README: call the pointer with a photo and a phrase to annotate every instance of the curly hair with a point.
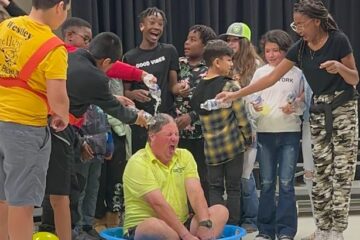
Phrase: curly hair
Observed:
(314, 9)
(206, 33)
(74, 22)
(151, 11)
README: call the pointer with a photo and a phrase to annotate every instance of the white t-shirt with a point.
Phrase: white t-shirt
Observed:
(275, 97)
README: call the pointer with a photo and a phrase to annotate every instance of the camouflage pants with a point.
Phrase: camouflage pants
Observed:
(335, 163)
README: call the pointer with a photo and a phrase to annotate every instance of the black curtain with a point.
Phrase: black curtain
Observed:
(120, 17)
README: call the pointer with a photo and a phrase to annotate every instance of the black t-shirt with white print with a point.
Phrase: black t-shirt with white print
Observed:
(158, 61)
(321, 82)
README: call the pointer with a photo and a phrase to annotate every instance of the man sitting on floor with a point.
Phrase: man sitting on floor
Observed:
(158, 182)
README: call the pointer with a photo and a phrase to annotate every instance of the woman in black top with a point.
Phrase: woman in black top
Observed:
(325, 56)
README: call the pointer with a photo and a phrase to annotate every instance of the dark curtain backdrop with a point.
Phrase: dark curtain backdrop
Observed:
(120, 17)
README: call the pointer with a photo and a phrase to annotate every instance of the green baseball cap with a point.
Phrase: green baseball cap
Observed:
(237, 29)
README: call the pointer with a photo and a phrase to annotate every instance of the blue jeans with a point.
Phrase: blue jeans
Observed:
(249, 201)
(277, 155)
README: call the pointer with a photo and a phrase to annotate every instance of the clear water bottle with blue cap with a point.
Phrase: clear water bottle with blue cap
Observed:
(214, 104)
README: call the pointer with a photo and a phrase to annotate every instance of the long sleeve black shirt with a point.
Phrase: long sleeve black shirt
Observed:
(86, 84)
(14, 10)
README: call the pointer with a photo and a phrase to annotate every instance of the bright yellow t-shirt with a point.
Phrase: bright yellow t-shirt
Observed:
(19, 39)
(144, 173)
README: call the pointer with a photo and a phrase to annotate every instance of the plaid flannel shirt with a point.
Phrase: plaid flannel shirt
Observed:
(227, 131)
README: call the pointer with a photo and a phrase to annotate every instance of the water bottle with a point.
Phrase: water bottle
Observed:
(299, 106)
(147, 80)
(291, 97)
(214, 104)
(257, 100)
(148, 117)
(154, 88)
(155, 92)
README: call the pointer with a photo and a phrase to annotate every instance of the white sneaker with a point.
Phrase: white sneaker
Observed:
(335, 235)
(322, 235)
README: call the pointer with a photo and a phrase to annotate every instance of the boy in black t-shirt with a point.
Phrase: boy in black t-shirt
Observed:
(159, 59)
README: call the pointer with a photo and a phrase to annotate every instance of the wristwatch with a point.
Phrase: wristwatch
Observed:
(206, 223)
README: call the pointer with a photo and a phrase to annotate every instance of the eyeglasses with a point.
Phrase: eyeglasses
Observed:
(86, 39)
(300, 26)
